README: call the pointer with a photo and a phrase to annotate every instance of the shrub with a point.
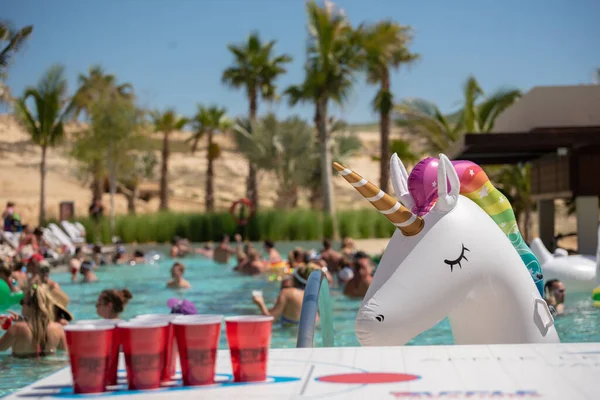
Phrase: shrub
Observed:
(299, 224)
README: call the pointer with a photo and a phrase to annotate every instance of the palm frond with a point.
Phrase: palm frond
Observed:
(15, 40)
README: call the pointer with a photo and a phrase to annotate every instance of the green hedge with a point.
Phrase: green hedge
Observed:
(272, 224)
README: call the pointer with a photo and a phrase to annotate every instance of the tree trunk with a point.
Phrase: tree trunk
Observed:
(316, 191)
(252, 182)
(326, 178)
(164, 170)
(287, 196)
(42, 220)
(384, 129)
(316, 198)
(98, 183)
(210, 201)
(112, 188)
(131, 200)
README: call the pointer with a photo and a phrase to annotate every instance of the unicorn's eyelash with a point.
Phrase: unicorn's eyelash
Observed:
(452, 263)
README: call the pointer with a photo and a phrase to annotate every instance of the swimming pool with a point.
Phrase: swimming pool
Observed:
(218, 290)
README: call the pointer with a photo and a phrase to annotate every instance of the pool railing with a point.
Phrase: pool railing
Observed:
(317, 298)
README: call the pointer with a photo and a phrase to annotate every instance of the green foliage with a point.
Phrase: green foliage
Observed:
(477, 115)
(167, 121)
(98, 84)
(384, 45)
(255, 67)
(282, 147)
(45, 123)
(299, 224)
(11, 40)
(208, 121)
(404, 150)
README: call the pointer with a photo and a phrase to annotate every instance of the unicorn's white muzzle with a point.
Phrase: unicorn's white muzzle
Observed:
(374, 328)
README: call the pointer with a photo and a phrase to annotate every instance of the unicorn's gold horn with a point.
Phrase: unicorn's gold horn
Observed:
(402, 217)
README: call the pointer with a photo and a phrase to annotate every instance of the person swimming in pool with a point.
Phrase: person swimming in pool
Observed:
(87, 270)
(554, 294)
(178, 282)
(36, 334)
(273, 256)
(288, 305)
(111, 303)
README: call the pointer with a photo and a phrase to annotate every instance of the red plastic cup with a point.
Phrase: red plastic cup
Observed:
(113, 362)
(144, 347)
(197, 340)
(249, 340)
(89, 353)
(171, 352)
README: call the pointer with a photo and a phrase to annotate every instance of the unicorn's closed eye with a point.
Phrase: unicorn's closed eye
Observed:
(457, 253)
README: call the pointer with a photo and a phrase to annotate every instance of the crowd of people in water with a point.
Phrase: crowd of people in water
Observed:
(37, 330)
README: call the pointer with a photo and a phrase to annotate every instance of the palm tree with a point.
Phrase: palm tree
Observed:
(281, 147)
(208, 121)
(384, 46)
(96, 84)
(11, 41)
(515, 183)
(343, 144)
(477, 115)
(404, 150)
(45, 123)
(166, 122)
(255, 69)
(92, 88)
(332, 59)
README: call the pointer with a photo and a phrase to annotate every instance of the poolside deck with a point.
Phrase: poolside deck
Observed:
(565, 371)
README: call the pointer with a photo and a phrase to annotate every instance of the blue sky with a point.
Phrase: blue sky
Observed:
(174, 52)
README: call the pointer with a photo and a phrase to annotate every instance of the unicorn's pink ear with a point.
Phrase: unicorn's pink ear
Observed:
(400, 182)
(447, 200)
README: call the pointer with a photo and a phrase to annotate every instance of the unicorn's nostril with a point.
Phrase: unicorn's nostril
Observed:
(380, 318)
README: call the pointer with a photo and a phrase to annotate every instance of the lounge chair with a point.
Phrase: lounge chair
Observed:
(74, 233)
(81, 228)
(12, 238)
(51, 238)
(57, 251)
(60, 235)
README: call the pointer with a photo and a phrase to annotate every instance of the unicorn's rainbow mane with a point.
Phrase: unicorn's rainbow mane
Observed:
(475, 185)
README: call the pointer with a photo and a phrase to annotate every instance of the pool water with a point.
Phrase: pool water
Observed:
(216, 289)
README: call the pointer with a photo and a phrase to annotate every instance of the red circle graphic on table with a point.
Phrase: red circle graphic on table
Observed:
(368, 377)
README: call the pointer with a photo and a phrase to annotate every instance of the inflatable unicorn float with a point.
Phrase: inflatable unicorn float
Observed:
(457, 253)
(578, 272)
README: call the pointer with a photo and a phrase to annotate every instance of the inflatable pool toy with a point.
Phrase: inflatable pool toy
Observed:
(457, 253)
(596, 296)
(577, 272)
(7, 297)
(280, 264)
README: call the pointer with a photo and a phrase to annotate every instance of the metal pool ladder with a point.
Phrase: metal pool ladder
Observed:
(316, 297)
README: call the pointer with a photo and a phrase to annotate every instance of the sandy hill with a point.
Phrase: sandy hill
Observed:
(20, 181)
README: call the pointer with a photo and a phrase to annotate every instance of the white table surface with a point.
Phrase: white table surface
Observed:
(547, 371)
